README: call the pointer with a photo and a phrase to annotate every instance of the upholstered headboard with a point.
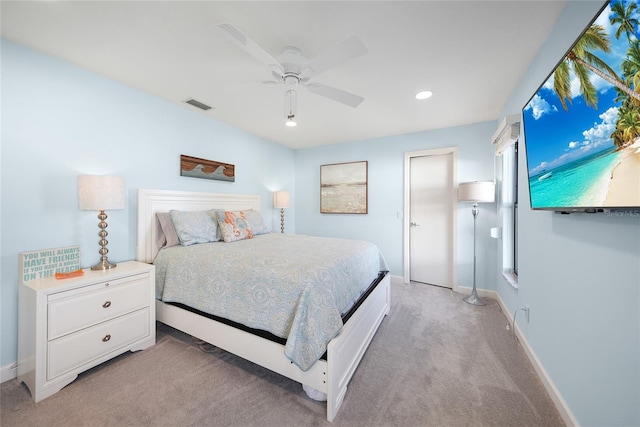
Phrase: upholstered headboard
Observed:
(151, 202)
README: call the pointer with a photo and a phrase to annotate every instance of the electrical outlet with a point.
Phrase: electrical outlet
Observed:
(526, 311)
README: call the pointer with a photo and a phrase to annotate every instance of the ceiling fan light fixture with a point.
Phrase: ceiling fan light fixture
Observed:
(291, 99)
(290, 122)
(425, 94)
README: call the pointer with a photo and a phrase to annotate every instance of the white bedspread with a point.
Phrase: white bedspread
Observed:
(296, 287)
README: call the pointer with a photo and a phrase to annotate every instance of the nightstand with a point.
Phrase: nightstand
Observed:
(67, 326)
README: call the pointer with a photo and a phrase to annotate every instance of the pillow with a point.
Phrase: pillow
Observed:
(255, 221)
(166, 235)
(212, 214)
(194, 227)
(234, 226)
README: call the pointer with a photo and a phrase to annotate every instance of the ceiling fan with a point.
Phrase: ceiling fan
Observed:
(293, 69)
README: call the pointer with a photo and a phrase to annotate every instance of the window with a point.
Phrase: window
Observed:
(509, 208)
(506, 141)
(514, 245)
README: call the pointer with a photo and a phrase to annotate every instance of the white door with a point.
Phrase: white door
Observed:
(431, 218)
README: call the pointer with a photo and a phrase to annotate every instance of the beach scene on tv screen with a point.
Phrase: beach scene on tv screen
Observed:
(582, 127)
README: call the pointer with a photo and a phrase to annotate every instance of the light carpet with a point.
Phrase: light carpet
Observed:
(435, 361)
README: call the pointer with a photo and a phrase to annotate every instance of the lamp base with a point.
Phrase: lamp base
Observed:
(474, 299)
(103, 265)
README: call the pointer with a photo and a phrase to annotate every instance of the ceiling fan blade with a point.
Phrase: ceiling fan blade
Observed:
(336, 94)
(347, 49)
(241, 39)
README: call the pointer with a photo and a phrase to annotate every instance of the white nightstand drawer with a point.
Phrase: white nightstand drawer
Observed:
(99, 303)
(72, 351)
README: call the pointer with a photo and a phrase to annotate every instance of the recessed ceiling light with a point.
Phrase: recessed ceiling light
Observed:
(424, 94)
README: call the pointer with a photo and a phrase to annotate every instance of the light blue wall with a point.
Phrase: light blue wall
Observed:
(382, 225)
(580, 276)
(59, 121)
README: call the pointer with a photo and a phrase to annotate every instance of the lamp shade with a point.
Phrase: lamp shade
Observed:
(477, 192)
(100, 193)
(281, 199)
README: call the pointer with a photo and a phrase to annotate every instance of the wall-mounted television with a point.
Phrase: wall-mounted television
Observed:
(582, 125)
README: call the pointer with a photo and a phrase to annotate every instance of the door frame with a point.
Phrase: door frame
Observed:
(407, 209)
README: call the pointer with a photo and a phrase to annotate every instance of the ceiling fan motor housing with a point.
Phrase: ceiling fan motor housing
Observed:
(291, 80)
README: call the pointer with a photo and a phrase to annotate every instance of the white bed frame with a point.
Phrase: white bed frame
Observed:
(344, 352)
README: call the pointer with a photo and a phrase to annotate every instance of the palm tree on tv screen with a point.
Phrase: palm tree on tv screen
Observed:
(624, 17)
(583, 62)
(631, 70)
(627, 126)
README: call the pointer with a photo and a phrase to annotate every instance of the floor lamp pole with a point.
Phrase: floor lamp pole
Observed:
(282, 220)
(474, 298)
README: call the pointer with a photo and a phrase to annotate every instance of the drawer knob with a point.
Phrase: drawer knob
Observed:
(106, 338)
(106, 304)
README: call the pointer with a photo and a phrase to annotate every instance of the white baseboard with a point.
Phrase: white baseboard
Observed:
(8, 372)
(465, 290)
(559, 402)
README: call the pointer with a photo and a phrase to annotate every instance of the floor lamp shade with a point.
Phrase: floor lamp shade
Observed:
(477, 191)
(101, 193)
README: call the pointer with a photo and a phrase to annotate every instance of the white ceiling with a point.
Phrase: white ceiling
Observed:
(471, 54)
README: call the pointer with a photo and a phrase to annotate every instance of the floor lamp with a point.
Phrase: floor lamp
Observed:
(475, 192)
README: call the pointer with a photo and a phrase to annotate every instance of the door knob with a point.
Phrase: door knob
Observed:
(413, 224)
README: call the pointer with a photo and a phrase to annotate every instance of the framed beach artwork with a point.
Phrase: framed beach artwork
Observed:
(207, 169)
(343, 188)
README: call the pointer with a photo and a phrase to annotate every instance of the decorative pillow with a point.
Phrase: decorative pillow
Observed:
(256, 222)
(166, 233)
(194, 227)
(234, 226)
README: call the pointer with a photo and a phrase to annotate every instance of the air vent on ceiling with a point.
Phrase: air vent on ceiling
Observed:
(197, 104)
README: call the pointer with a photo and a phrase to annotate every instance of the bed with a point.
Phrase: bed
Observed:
(329, 374)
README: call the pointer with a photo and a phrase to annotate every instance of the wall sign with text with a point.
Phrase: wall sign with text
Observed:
(47, 262)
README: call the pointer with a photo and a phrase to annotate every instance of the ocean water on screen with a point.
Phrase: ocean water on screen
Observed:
(582, 183)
